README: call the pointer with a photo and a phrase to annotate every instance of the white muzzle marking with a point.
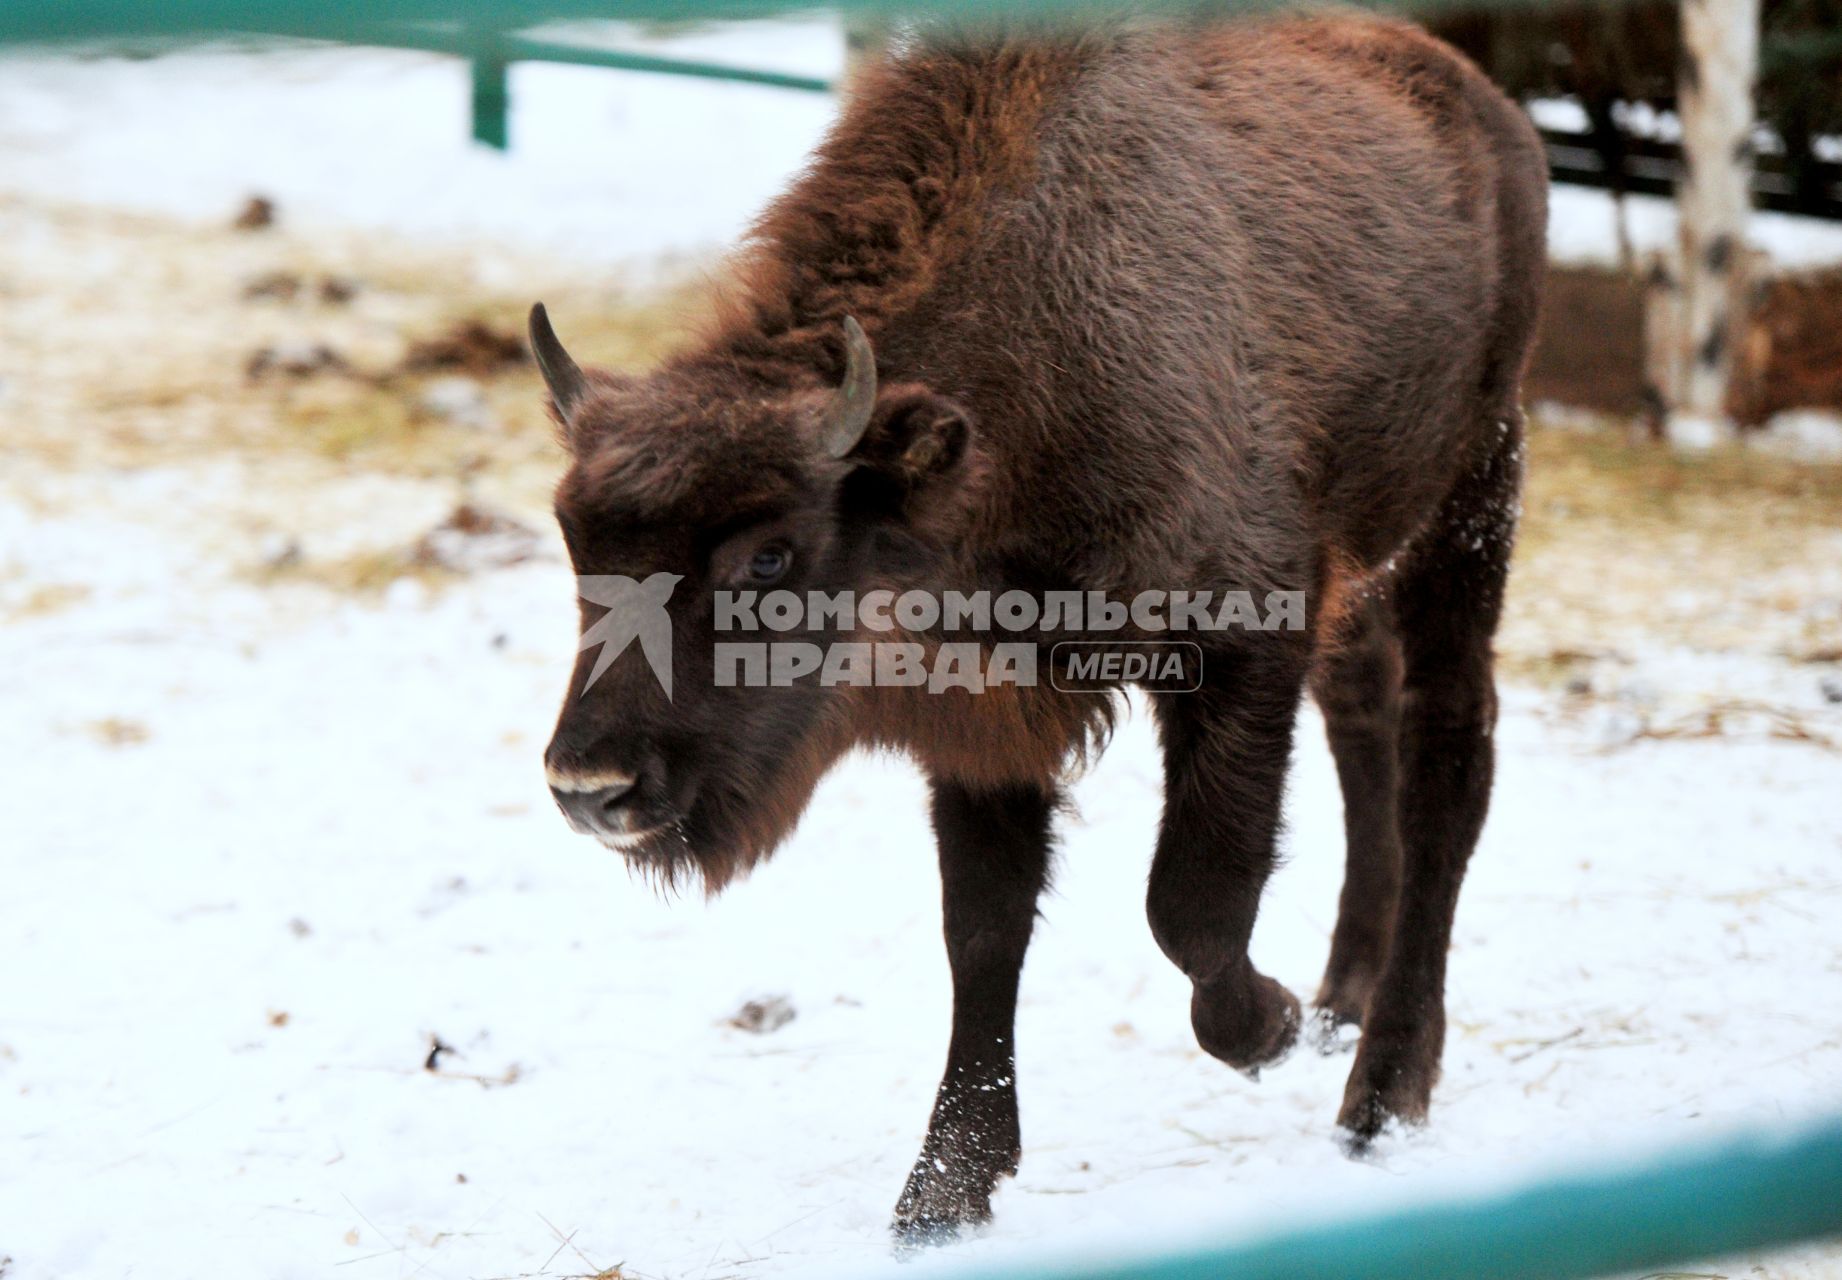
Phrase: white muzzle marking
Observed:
(594, 782)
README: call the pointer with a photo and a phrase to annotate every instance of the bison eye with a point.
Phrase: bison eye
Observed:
(770, 564)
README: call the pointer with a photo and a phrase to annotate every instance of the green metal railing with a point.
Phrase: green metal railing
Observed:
(491, 55)
(351, 20)
(1697, 1204)
(486, 32)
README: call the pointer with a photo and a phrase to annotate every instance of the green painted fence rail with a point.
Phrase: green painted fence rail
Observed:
(491, 54)
(1691, 1206)
(486, 32)
(349, 20)
(491, 57)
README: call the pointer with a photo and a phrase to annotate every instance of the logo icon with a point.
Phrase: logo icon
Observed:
(635, 610)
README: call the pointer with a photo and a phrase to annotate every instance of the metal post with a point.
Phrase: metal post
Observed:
(491, 93)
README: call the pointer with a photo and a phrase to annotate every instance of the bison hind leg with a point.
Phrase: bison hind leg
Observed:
(1447, 599)
(1357, 685)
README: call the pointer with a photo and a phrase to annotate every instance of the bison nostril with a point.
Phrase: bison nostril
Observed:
(608, 799)
(603, 805)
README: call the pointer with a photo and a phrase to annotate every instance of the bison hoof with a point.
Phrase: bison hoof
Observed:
(912, 1235)
(1392, 1080)
(925, 1217)
(942, 1200)
(1248, 1025)
(1332, 1032)
(1342, 1003)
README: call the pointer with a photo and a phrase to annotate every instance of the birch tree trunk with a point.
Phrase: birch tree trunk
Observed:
(1720, 45)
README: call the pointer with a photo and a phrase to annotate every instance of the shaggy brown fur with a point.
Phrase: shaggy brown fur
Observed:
(1207, 308)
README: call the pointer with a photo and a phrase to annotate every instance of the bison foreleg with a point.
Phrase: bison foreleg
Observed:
(994, 861)
(1226, 749)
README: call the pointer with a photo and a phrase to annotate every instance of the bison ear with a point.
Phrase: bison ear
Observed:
(914, 437)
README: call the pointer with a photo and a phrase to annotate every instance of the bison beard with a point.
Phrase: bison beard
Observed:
(1204, 308)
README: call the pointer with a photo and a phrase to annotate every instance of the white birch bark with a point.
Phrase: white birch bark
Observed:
(1720, 43)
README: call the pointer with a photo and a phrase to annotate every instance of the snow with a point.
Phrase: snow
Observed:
(1809, 434)
(338, 816)
(608, 167)
(334, 811)
(1582, 231)
(264, 844)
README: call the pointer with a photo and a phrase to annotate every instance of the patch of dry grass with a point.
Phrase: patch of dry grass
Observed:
(45, 599)
(1623, 543)
(118, 731)
(361, 573)
(128, 341)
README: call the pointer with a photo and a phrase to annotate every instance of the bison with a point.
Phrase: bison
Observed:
(1218, 307)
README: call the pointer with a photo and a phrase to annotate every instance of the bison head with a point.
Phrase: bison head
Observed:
(697, 480)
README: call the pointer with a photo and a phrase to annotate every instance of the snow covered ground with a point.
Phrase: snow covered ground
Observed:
(266, 842)
(604, 167)
(264, 845)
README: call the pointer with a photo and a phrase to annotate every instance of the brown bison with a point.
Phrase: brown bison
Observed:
(1205, 307)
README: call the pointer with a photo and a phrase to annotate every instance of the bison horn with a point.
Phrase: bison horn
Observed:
(850, 409)
(561, 374)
